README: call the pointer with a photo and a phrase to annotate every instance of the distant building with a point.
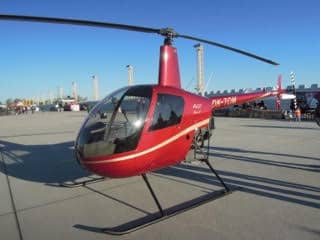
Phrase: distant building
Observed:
(307, 97)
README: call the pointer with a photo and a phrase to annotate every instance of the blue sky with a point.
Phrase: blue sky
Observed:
(38, 58)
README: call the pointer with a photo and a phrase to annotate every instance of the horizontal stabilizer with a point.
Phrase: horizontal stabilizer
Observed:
(285, 96)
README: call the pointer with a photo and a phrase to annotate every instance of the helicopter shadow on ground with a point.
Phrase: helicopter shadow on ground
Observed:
(195, 175)
(262, 186)
(202, 178)
(50, 164)
(236, 154)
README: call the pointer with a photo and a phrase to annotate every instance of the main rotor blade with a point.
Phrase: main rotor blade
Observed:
(79, 22)
(228, 48)
(166, 32)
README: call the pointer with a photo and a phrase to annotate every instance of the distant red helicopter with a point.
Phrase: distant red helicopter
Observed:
(139, 129)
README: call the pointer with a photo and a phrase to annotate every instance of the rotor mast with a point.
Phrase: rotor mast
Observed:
(169, 74)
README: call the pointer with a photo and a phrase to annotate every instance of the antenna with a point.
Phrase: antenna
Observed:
(60, 92)
(208, 82)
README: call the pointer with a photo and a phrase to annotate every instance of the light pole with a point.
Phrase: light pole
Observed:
(292, 79)
(74, 91)
(130, 75)
(95, 88)
(200, 87)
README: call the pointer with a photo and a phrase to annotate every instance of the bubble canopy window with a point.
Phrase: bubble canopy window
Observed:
(115, 124)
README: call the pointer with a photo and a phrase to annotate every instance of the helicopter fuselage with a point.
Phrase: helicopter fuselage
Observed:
(134, 140)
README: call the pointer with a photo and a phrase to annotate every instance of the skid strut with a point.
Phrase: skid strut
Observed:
(163, 214)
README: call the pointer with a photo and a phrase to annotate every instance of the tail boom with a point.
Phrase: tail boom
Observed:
(219, 102)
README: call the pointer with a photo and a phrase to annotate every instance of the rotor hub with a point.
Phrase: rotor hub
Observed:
(169, 34)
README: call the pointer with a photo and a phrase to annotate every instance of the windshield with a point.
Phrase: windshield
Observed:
(115, 124)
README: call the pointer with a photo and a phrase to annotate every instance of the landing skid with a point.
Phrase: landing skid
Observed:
(75, 184)
(164, 214)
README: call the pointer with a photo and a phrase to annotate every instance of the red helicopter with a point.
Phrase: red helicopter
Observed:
(144, 128)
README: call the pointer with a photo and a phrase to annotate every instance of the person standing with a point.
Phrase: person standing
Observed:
(317, 114)
(298, 114)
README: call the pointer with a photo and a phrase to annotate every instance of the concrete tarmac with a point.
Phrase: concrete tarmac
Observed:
(275, 166)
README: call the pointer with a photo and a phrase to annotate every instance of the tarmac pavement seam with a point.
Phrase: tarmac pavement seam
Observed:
(274, 164)
(90, 192)
(11, 197)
